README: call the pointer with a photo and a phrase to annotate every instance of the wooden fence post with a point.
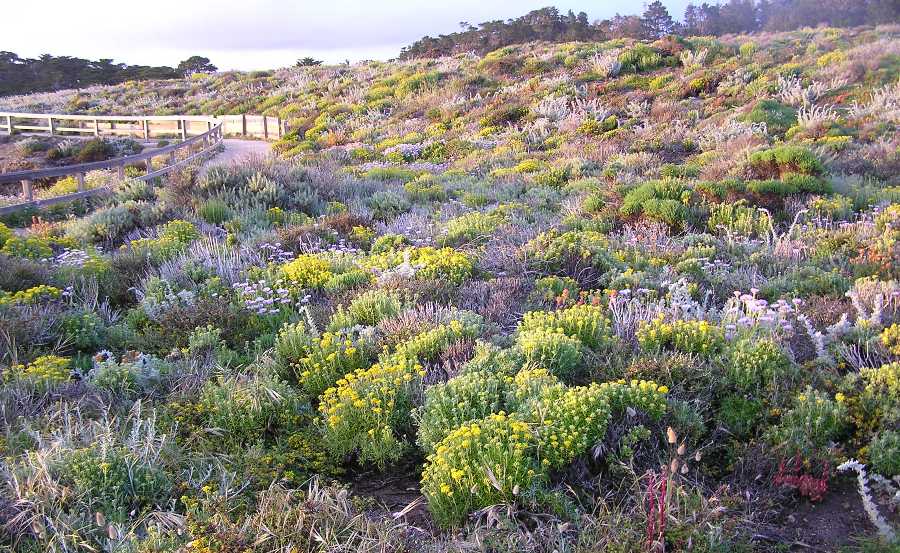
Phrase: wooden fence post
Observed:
(80, 179)
(9, 125)
(146, 129)
(183, 124)
(149, 163)
(278, 119)
(27, 191)
(121, 172)
(243, 124)
(50, 125)
(96, 127)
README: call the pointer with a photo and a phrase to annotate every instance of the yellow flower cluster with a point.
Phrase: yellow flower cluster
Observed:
(531, 384)
(465, 398)
(586, 323)
(332, 357)
(445, 264)
(890, 339)
(496, 458)
(572, 422)
(478, 464)
(45, 371)
(365, 408)
(308, 271)
(31, 295)
(699, 337)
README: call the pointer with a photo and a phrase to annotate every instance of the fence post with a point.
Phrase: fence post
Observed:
(80, 179)
(121, 172)
(149, 163)
(96, 127)
(27, 190)
(183, 124)
(50, 125)
(146, 129)
(243, 124)
(278, 119)
(9, 125)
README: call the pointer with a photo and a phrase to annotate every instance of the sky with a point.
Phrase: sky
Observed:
(257, 34)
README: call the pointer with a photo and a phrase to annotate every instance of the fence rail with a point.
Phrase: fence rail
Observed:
(194, 146)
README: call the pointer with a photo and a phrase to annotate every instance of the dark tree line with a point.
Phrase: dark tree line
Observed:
(717, 18)
(49, 73)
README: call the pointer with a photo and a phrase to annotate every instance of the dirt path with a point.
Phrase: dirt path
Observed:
(237, 151)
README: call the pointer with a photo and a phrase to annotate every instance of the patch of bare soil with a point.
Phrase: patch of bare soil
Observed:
(396, 492)
(836, 521)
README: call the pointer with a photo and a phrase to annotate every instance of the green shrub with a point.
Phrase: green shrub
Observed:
(96, 149)
(699, 337)
(807, 430)
(586, 323)
(741, 415)
(84, 330)
(755, 363)
(214, 211)
(555, 351)
(118, 485)
(884, 453)
(569, 253)
(246, 411)
(778, 117)
(479, 464)
(367, 309)
(472, 227)
(460, 400)
(739, 218)
(784, 160)
(665, 200)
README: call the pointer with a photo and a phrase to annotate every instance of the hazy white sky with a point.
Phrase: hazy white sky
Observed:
(256, 34)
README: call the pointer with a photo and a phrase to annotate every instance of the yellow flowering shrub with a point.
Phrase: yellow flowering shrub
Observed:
(586, 323)
(531, 384)
(699, 337)
(44, 372)
(368, 411)
(479, 464)
(807, 430)
(753, 363)
(31, 295)
(333, 356)
(569, 424)
(428, 345)
(554, 350)
(880, 396)
(445, 264)
(462, 399)
(890, 339)
(501, 456)
(308, 271)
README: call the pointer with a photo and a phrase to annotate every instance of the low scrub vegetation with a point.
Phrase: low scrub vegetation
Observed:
(640, 300)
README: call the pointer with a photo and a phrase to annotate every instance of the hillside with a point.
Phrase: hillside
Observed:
(591, 296)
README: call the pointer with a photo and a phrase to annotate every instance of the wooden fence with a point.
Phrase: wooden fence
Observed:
(190, 149)
(144, 127)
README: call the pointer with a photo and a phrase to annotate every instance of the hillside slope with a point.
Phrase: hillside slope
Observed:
(574, 297)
